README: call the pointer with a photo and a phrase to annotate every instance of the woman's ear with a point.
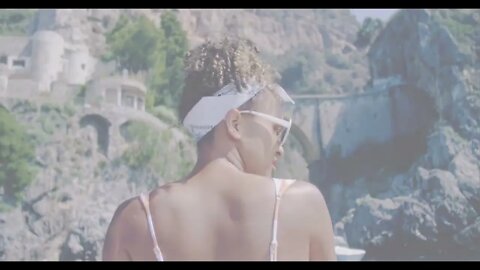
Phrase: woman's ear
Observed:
(232, 121)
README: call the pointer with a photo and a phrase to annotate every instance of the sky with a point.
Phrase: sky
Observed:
(383, 14)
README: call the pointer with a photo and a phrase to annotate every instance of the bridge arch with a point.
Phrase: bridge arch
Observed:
(102, 128)
(309, 151)
(123, 129)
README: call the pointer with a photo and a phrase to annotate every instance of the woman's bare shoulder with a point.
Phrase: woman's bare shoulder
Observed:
(307, 196)
(127, 215)
(123, 230)
(306, 188)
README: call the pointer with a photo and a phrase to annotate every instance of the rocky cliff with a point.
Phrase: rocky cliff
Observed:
(431, 210)
(313, 49)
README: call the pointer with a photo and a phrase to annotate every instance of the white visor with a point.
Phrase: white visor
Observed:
(211, 110)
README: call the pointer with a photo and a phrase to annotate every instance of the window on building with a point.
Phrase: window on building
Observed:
(140, 103)
(128, 101)
(19, 63)
(105, 22)
(4, 59)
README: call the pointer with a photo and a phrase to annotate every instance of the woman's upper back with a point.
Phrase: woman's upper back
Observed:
(203, 219)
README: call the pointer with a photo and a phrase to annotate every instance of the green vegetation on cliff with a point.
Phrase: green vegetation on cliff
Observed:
(16, 154)
(15, 21)
(156, 151)
(139, 46)
(464, 25)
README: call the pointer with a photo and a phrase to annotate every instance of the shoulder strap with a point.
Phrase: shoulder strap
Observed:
(281, 185)
(144, 198)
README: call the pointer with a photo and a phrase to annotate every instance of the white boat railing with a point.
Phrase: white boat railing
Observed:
(346, 253)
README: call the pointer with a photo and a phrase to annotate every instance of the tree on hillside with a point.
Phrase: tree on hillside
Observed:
(297, 69)
(138, 45)
(16, 153)
(368, 31)
(135, 44)
(15, 21)
(176, 46)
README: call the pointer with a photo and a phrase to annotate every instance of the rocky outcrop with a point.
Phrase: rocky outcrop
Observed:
(427, 213)
(322, 38)
(275, 31)
(417, 47)
(431, 210)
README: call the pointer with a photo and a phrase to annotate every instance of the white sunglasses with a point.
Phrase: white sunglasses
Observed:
(287, 124)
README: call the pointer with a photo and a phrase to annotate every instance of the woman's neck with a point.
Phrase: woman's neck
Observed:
(207, 156)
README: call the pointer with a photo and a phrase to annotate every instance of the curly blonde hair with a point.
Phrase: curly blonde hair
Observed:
(213, 65)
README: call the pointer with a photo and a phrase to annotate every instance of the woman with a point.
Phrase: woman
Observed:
(228, 207)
